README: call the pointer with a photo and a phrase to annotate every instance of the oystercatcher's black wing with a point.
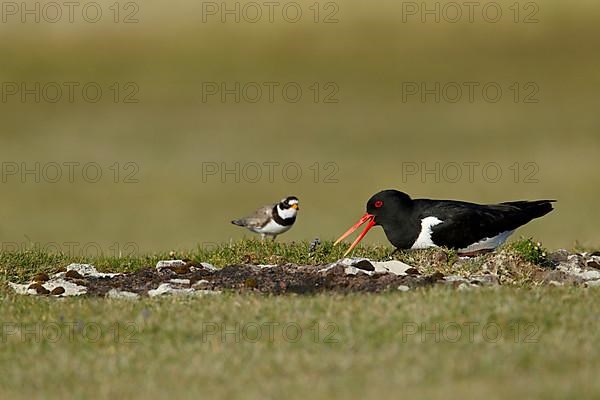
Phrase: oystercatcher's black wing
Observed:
(468, 223)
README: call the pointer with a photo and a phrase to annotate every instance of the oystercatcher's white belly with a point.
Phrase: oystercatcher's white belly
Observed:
(488, 243)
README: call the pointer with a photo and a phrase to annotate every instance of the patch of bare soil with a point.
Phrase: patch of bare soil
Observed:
(248, 278)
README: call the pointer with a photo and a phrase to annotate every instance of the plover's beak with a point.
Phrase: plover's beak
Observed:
(367, 217)
(295, 206)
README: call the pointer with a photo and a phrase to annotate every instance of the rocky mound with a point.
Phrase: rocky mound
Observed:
(178, 277)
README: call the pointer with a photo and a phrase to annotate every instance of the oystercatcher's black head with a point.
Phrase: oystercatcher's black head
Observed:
(384, 206)
(387, 204)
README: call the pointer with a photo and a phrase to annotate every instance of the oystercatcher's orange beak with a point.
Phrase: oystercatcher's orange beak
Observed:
(362, 220)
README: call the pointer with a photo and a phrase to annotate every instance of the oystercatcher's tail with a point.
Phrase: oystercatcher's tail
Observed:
(533, 209)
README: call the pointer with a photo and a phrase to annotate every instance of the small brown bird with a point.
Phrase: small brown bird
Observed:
(273, 219)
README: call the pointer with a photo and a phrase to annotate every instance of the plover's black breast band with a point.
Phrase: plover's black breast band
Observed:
(283, 222)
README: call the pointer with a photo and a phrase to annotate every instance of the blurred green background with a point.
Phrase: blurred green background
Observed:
(371, 135)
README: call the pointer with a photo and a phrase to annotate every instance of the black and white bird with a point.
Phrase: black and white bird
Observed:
(467, 227)
(273, 219)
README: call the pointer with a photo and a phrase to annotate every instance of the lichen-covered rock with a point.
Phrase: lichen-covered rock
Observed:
(88, 270)
(582, 266)
(593, 262)
(183, 277)
(558, 256)
(395, 267)
(168, 288)
(169, 264)
(51, 286)
(354, 266)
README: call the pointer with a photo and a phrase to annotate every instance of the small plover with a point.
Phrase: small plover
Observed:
(273, 219)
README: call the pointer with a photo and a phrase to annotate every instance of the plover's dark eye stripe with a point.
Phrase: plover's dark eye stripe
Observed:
(287, 203)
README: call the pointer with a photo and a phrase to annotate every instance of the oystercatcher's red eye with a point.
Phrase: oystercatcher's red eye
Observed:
(378, 204)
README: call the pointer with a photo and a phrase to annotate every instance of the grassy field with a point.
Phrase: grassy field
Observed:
(516, 340)
(147, 169)
(434, 343)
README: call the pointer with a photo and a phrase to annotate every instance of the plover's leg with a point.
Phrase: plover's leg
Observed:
(274, 236)
(262, 237)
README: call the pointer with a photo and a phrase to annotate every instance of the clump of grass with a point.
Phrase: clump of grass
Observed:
(512, 268)
(21, 265)
(431, 260)
(530, 251)
(252, 251)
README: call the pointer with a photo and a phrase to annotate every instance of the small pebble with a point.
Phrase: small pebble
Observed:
(39, 288)
(180, 281)
(365, 265)
(57, 290)
(593, 264)
(73, 274)
(201, 284)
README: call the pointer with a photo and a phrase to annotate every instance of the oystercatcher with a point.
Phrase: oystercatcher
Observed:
(273, 219)
(468, 227)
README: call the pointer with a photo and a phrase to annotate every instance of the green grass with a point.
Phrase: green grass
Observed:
(369, 134)
(530, 251)
(367, 346)
(427, 343)
(22, 265)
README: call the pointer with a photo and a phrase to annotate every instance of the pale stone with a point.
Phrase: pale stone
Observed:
(122, 294)
(88, 270)
(395, 267)
(169, 264)
(591, 275)
(180, 281)
(71, 289)
(167, 288)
